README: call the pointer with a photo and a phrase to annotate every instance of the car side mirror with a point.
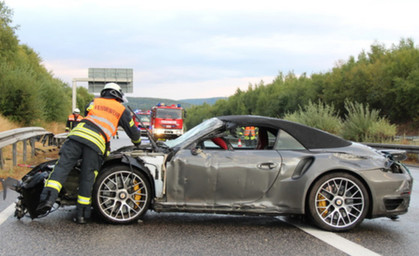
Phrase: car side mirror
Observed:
(194, 151)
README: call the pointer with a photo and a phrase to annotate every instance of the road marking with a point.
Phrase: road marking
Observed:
(6, 213)
(334, 240)
(329, 238)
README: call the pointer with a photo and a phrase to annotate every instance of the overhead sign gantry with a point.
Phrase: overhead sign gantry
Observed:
(98, 77)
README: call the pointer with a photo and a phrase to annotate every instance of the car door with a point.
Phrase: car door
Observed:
(221, 178)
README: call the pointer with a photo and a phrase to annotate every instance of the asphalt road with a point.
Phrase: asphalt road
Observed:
(203, 234)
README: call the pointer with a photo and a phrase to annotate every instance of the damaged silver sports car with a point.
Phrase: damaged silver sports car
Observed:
(241, 165)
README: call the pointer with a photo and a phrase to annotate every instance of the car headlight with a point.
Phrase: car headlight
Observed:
(158, 131)
(393, 167)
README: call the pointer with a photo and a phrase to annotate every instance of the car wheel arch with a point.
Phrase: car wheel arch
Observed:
(131, 162)
(359, 177)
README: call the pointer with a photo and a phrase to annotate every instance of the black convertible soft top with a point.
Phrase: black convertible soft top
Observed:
(309, 137)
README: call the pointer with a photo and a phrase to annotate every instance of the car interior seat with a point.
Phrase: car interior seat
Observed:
(220, 142)
(262, 139)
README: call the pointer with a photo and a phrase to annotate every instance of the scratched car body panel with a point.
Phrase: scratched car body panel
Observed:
(285, 168)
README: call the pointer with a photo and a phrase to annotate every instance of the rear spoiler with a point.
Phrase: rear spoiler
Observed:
(395, 154)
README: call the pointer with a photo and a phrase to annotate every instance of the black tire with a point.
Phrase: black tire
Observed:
(121, 196)
(338, 202)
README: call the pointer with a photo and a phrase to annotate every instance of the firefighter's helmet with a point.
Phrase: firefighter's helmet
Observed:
(76, 111)
(115, 90)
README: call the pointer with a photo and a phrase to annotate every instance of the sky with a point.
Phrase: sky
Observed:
(182, 49)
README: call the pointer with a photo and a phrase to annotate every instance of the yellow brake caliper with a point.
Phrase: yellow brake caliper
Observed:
(321, 204)
(137, 196)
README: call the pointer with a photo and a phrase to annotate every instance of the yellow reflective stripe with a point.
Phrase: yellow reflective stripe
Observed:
(84, 200)
(131, 123)
(91, 136)
(100, 143)
(89, 132)
(100, 146)
(53, 184)
(89, 107)
(136, 141)
(96, 173)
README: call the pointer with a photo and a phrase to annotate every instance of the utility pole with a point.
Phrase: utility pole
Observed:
(74, 97)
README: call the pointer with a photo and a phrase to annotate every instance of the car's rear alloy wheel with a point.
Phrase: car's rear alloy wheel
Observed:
(121, 195)
(338, 202)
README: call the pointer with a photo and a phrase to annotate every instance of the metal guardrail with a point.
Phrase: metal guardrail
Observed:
(60, 138)
(410, 149)
(12, 137)
(412, 138)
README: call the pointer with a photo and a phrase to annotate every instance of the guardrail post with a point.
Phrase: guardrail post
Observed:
(1, 159)
(50, 140)
(32, 142)
(24, 151)
(14, 154)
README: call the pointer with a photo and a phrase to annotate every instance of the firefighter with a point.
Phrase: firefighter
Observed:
(249, 135)
(73, 120)
(89, 141)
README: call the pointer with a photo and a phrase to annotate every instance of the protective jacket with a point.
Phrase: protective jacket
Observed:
(104, 115)
(72, 121)
(249, 133)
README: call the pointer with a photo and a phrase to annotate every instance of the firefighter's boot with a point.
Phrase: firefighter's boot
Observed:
(46, 201)
(83, 214)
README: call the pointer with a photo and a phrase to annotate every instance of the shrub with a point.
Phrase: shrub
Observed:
(381, 131)
(364, 124)
(320, 115)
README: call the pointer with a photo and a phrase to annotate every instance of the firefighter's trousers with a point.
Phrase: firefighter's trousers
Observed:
(70, 153)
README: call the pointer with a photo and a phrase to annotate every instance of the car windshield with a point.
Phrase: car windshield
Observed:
(198, 131)
(169, 113)
(145, 118)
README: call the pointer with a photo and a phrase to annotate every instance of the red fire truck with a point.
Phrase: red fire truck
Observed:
(145, 119)
(167, 121)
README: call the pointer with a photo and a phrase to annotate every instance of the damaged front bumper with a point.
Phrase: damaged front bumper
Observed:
(29, 189)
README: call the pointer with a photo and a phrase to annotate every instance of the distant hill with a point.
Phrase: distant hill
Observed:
(148, 103)
(209, 101)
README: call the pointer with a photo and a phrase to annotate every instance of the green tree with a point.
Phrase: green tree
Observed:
(18, 99)
(29, 92)
(83, 98)
(8, 39)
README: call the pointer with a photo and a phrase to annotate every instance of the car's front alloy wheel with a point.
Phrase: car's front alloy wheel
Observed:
(338, 202)
(121, 195)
